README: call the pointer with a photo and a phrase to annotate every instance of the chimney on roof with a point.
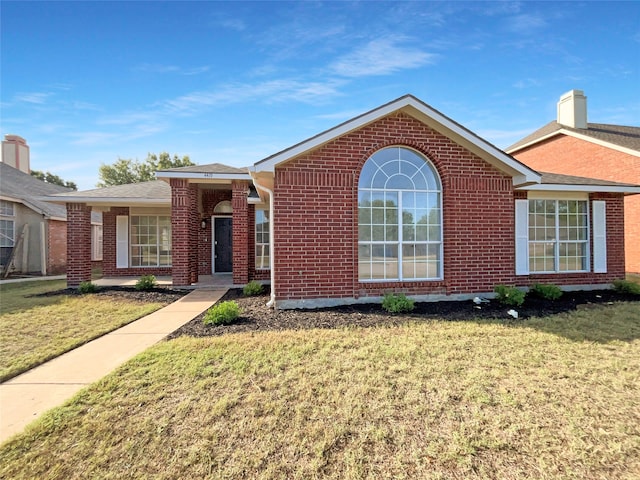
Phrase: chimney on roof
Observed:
(15, 153)
(572, 109)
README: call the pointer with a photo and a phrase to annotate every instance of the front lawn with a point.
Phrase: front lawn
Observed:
(35, 326)
(552, 398)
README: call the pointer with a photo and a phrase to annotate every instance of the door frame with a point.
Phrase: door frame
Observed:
(213, 242)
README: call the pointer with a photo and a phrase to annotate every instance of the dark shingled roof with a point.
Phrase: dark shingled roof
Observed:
(155, 189)
(619, 135)
(210, 168)
(558, 179)
(16, 184)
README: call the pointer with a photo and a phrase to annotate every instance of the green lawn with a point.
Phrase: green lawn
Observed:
(553, 398)
(34, 329)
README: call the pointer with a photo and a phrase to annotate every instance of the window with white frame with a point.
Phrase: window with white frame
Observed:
(558, 236)
(150, 241)
(7, 230)
(96, 243)
(399, 217)
(262, 239)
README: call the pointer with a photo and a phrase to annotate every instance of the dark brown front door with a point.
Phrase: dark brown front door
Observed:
(222, 245)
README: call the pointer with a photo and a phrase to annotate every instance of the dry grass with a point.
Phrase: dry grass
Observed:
(439, 400)
(36, 329)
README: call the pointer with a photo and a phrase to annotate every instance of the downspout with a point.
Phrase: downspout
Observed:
(272, 273)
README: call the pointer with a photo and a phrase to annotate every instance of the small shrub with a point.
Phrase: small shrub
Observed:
(146, 282)
(397, 303)
(626, 287)
(223, 313)
(252, 288)
(548, 292)
(87, 287)
(510, 296)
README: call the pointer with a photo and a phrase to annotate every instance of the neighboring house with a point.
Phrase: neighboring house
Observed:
(399, 199)
(33, 232)
(572, 146)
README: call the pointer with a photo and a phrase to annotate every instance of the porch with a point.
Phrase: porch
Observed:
(217, 280)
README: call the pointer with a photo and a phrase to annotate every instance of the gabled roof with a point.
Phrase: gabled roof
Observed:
(559, 182)
(428, 115)
(619, 137)
(155, 192)
(22, 187)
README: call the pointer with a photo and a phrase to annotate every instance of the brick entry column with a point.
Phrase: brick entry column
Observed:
(78, 244)
(184, 233)
(240, 232)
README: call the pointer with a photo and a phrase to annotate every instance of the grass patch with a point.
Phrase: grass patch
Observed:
(435, 400)
(34, 329)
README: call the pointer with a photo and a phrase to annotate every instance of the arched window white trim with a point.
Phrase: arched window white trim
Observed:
(399, 217)
(223, 207)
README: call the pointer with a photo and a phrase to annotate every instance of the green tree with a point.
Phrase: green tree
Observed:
(125, 171)
(49, 177)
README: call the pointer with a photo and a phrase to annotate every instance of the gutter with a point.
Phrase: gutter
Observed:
(272, 300)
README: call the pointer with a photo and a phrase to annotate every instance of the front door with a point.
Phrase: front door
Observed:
(222, 245)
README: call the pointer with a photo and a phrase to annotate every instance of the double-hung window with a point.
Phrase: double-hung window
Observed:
(262, 239)
(7, 230)
(399, 217)
(150, 241)
(558, 236)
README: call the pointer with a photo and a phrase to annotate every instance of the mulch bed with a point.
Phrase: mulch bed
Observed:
(256, 316)
(163, 295)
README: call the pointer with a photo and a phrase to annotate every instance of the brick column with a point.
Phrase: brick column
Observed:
(240, 232)
(78, 244)
(184, 234)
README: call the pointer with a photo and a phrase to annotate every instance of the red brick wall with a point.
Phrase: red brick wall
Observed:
(572, 156)
(316, 216)
(241, 240)
(78, 244)
(185, 223)
(56, 247)
(109, 250)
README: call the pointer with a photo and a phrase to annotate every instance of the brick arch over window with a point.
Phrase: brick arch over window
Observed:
(399, 217)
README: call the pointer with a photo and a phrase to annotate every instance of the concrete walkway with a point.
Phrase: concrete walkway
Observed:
(25, 397)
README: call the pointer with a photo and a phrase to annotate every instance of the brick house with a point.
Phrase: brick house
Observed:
(33, 232)
(572, 146)
(400, 199)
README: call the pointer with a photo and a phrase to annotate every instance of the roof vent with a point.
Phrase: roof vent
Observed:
(572, 109)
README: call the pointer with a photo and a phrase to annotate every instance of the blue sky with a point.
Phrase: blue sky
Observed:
(233, 82)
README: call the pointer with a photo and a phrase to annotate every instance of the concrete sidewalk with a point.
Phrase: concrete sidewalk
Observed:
(27, 396)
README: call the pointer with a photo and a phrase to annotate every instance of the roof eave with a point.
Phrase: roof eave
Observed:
(203, 176)
(109, 201)
(557, 187)
(412, 106)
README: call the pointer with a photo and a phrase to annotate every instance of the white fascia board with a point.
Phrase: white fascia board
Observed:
(582, 188)
(580, 136)
(412, 106)
(204, 176)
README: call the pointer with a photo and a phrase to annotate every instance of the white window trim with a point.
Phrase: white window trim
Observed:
(261, 245)
(557, 241)
(400, 242)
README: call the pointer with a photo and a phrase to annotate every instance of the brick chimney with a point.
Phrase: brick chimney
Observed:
(572, 109)
(15, 153)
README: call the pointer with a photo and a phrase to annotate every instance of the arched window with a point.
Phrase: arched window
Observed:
(399, 217)
(223, 207)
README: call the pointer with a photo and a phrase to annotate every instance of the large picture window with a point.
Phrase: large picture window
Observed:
(399, 217)
(150, 241)
(558, 236)
(262, 239)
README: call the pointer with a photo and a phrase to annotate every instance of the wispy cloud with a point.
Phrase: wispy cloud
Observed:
(525, 23)
(38, 98)
(527, 83)
(162, 69)
(381, 57)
